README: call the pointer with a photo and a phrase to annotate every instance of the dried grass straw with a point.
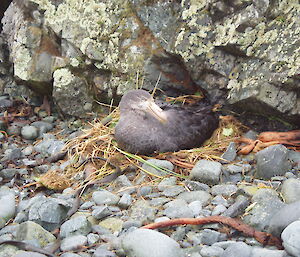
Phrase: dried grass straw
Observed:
(98, 141)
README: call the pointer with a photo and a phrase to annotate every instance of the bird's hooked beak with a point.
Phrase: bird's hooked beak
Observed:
(154, 110)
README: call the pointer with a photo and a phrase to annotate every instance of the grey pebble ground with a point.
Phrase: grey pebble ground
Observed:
(263, 189)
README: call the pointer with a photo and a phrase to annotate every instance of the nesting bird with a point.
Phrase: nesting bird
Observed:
(145, 128)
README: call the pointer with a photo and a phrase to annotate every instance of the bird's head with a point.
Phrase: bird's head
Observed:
(140, 101)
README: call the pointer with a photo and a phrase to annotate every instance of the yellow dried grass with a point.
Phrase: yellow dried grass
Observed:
(98, 141)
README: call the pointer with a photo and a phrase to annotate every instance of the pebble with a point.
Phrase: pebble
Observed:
(14, 130)
(230, 153)
(12, 154)
(70, 255)
(291, 190)
(76, 226)
(5, 103)
(196, 186)
(238, 207)
(225, 190)
(211, 251)
(109, 220)
(42, 126)
(73, 243)
(149, 167)
(48, 212)
(173, 191)
(49, 145)
(105, 197)
(142, 211)
(100, 252)
(207, 172)
(28, 150)
(219, 209)
(115, 225)
(7, 206)
(237, 249)
(195, 207)
(283, 217)
(28, 254)
(201, 196)
(100, 212)
(92, 238)
(8, 173)
(125, 201)
(272, 161)
(150, 243)
(29, 132)
(145, 190)
(31, 231)
(258, 252)
(291, 238)
(178, 208)
(166, 183)
(266, 204)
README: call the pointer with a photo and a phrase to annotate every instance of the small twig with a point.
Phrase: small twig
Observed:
(262, 237)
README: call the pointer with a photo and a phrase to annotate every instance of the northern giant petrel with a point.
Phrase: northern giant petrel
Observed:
(146, 128)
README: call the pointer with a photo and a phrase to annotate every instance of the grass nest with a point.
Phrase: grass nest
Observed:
(98, 141)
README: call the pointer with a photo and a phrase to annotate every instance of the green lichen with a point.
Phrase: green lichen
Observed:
(98, 29)
(62, 77)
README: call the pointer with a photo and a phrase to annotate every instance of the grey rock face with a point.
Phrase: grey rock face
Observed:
(71, 92)
(266, 78)
(206, 172)
(272, 161)
(150, 243)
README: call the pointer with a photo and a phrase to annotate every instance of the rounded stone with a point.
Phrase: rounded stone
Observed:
(73, 242)
(272, 161)
(29, 132)
(207, 172)
(291, 238)
(291, 190)
(150, 243)
(285, 216)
